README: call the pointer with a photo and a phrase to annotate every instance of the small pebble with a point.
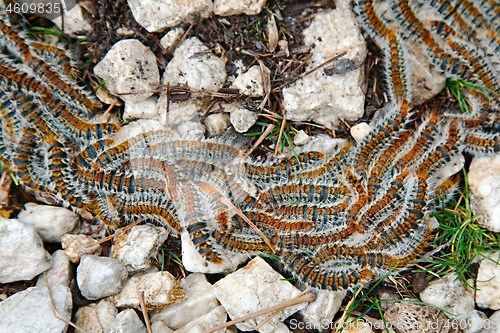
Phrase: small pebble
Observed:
(50, 222)
(99, 277)
(160, 289)
(59, 273)
(128, 321)
(238, 7)
(137, 248)
(129, 77)
(75, 246)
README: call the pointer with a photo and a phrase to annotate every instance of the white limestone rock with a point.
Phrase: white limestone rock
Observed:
(301, 138)
(251, 83)
(141, 109)
(213, 318)
(200, 299)
(49, 221)
(128, 321)
(238, 7)
(31, 310)
(73, 21)
(86, 319)
(449, 293)
(76, 246)
(321, 312)
(360, 131)
(171, 38)
(322, 142)
(472, 322)
(255, 287)
(217, 123)
(59, 273)
(488, 282)
(160, 327)
(484, 184)
(178, 113)
(426, 80)
(160, 289)
(22, 256)
(106, 311)
(96, 317)
(321, 98)
(104, 96)
(241, 119)
(137, 248)
(158, 15)
(195, 66)
(99, 277)
(194, 262)
(492, 325)
(191, 130)
(129, 70)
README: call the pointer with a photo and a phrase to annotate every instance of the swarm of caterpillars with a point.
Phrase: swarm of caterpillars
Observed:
(336, 221)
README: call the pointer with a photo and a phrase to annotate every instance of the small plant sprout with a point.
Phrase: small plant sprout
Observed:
(466, 239)
(458, 88)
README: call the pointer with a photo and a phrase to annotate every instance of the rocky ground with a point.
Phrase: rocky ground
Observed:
(201, 68)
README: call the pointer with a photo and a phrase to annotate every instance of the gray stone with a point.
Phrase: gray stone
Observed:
(31, 310)
(449, 293)
(97, 317)
(200, 299)
(75, 246)
(139, 246)
(22, 256)
(59, 273)
(195, 66)
(324, 98)
(213, 318)
(217, 123)
(255, 287)
(50, 222)
(129, 70)
(99, 277)
(158, 15)
(241, 119)
(160, 289)
(142, 109)
(238, 7)
(128, 322)
(251, 82)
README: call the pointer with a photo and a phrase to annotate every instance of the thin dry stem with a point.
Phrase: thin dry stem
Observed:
(53, 304)
(259, 141)
(275, 313)
(344, 314)
(117, 233)
(309, 297)
(335, 55)
(140, 294)
(229, 204)
(282, 128)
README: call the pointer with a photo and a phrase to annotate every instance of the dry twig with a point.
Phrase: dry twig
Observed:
(309, 297)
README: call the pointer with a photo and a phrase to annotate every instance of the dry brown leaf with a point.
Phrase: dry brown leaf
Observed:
(272, 33)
